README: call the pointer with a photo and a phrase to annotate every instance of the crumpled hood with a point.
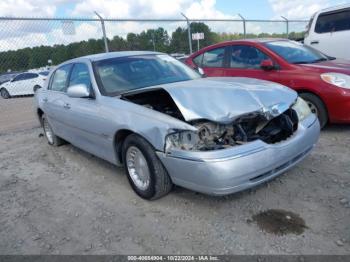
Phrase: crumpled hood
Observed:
(223, 99)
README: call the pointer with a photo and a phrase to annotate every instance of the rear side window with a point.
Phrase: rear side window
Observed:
(214, 58)
(60, 78)
(333, 22)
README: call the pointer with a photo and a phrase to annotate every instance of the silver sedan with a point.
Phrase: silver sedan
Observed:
(169, 125)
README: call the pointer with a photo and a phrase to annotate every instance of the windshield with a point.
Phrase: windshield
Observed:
(123, 74)
(296, 53)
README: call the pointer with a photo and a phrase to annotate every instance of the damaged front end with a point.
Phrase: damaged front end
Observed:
(247, 128)
(269, 124)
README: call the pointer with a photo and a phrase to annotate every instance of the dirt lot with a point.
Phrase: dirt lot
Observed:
(17, 113)
(64, 201)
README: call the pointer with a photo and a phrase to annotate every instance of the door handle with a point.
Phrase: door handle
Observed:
(66, 106)
(314, 42)
(45, 99)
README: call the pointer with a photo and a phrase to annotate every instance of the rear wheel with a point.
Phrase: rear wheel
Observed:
(4, 93)
(52, 139)
(317, 107)
(146, 174)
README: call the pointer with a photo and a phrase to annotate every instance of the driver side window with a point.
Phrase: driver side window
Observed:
(246, 57)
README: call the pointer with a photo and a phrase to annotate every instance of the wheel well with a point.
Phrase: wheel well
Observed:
(40, 114)
(119, 138)
(319, 97)
(312, 93)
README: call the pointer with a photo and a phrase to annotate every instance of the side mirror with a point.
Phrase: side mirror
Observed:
(78, 91)
(200, 71)
(267, 65)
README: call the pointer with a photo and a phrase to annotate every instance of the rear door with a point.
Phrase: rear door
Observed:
(54, 101)
(29, 83)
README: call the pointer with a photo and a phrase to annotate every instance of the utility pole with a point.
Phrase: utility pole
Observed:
(189, 32)
(103, 31)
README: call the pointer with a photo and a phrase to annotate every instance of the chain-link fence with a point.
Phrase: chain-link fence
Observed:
(29, 47)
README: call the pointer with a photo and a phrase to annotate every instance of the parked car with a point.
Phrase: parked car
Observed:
(6, 77)
(323, 81)
(329, 31)
(23, 84)
(168, 125)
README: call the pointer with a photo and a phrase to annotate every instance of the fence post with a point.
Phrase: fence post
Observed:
(103, 31)
(244, 25)
(189, 32)
(287, 25)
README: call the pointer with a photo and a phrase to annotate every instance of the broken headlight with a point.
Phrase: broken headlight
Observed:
(185, 140)
(302, 109)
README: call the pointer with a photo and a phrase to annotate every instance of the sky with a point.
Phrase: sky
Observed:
(16, 34)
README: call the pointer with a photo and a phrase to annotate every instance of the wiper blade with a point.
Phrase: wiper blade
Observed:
(320, 60)
(311, 62)
(302, 62)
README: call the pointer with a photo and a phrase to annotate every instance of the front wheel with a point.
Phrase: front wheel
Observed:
(317, 107)
(146, 174)
(4, 93)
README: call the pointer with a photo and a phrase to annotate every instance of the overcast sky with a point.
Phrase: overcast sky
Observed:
(264, 9)
(17, 34)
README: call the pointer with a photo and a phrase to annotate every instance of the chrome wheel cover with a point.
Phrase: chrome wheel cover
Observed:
(48, 131)
(138, 168)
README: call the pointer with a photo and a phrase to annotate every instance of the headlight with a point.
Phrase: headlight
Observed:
(185, 140)
(337, 79)
(301, 108)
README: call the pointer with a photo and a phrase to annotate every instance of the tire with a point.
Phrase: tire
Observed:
(52, 139)
(159, 182)
(4, 93)
(317, 106)
(35, 88)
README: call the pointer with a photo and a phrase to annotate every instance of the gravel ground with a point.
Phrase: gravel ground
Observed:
(64, 201)
(17, 114)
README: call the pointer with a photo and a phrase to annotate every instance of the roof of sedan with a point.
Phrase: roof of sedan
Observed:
(102, 56)
(261, 40)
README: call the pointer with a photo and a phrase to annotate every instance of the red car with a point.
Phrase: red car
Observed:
(323, 81)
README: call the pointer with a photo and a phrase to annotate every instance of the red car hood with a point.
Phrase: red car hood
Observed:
(338, 65)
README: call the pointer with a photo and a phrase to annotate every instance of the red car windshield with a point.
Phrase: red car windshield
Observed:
(296, 53)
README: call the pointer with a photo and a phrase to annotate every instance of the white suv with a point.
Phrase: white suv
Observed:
(329, 31)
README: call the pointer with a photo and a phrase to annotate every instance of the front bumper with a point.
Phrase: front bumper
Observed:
(231, 170)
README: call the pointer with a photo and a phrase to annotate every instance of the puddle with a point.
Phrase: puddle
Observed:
(280, 222)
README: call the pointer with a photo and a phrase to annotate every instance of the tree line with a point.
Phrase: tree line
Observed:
(151, 39)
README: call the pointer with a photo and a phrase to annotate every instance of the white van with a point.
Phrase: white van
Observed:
(329, 31)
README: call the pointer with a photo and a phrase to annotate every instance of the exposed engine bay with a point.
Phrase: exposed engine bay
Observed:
(214, 136)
